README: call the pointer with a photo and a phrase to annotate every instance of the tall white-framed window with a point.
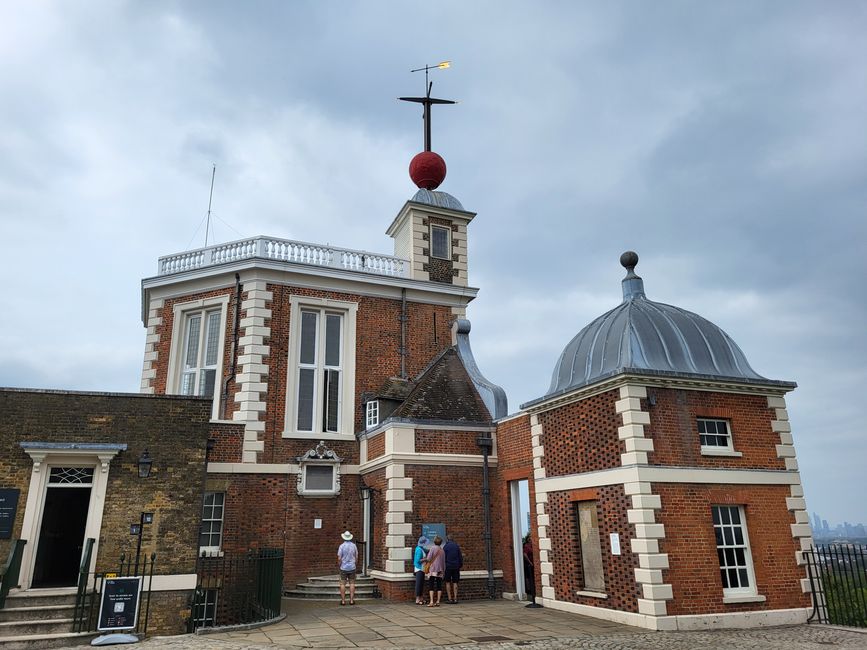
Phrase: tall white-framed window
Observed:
(371, 413)
(439, 242)
(213, 513)
(733, 551)
(196, 358)
(321, 388)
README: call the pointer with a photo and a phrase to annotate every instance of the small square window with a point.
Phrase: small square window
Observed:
(439, 242)
(372, 414)
(319, 480)
(714, 434)
(205, 608)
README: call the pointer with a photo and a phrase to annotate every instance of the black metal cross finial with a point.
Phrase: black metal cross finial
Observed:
(427, 101)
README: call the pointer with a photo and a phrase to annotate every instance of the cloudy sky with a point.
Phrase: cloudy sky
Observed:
(725, 142)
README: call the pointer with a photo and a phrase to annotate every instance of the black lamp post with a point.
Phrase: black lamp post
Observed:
(145, 463)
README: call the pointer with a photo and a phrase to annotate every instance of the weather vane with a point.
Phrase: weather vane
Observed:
(427, 101)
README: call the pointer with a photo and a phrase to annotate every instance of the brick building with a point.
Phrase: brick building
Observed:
(663, 476)
(656, 479)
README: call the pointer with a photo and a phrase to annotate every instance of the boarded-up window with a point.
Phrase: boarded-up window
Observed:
(590, 547)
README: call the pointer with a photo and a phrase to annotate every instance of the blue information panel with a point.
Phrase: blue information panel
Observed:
(8, 508)
(118, 609)
(432, 530)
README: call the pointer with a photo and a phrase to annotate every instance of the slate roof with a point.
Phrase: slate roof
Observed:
(444, 391)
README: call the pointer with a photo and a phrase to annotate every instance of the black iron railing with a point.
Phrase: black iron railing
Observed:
(237, 589)
(10, 571)
(838, 580)
(90, 586)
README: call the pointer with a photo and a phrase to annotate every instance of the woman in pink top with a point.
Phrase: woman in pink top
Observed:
(437, 558)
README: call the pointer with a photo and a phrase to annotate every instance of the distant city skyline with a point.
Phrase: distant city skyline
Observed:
(822, 529)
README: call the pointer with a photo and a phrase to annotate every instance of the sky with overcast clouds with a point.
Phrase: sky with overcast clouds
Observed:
(725, 142)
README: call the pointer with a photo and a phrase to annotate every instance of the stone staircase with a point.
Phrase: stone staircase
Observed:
(41, 619)
(328, 588)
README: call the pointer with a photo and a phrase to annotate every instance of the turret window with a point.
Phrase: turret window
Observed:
(439, 242)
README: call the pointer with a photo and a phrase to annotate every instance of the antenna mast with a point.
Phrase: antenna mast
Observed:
(210, 198)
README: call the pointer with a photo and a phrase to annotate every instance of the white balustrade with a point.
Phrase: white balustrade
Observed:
(285, 250)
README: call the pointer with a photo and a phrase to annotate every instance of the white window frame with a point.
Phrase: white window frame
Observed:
(448, 232)
(334, 490)
(716, 450)
(733, 593)
(210, 597)
(212, 549)
(346, 417)
(181, 312)
(371, 414)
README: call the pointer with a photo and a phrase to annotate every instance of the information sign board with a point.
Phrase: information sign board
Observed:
(432, 530)
(118, 609)
(8, 508)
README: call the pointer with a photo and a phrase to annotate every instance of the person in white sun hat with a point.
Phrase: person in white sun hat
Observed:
(347, 557)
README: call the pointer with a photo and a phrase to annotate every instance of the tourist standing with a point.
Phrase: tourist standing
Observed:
(347, 557)
(437, 559)
(454, 561)
(418, 559)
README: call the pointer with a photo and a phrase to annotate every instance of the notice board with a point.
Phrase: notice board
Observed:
(118, 609)
(8, 508)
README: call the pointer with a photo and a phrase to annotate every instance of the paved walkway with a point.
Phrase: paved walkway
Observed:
(490, 625)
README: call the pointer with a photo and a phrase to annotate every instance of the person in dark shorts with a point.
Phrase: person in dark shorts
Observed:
(454, 562)
(347, 556)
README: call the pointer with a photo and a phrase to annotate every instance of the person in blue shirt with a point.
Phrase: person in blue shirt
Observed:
(418, 558)
(454, 562)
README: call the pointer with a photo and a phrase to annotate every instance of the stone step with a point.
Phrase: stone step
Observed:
(29, 628)
(324, 595)
(39, 641)
(45, 612)
(39, 598)
(336, 578)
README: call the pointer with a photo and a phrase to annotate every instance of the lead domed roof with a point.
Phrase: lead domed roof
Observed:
(648, 337)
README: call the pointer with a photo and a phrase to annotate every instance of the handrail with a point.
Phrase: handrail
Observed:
(10, 573)
(78, 613)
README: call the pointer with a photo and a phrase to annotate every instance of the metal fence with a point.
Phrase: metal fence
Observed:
(237, 590)
(9, 572)
(87, 599)
(838, 580)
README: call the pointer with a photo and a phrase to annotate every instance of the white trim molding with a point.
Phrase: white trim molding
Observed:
(152, 339)
(397, 506)
(546, 566)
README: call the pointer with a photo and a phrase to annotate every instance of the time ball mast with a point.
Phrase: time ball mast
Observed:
(428, 169)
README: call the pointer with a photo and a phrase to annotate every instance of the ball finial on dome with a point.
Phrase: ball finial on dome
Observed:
(427, 170)
(629, 260)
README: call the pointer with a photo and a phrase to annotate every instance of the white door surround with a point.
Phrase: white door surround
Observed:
(63, 454)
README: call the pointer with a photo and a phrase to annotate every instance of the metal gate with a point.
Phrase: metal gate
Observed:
(838, 580)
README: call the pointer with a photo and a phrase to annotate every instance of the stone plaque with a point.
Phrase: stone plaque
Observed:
(8, 509)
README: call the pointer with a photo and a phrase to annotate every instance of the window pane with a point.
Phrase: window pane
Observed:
(591, 546)
(193, 327)
(725, 579)
(439, 242)
(332, 399)
(332, 340)
(305, 399)
(308, 337)
(188, 382)
(319, 477)
(206, 383)
(213, 337)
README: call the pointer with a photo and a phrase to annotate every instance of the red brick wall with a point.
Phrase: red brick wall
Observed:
(451, 496)
(691, 547)
(376, 446)
(582, 436)
(468, 589)
(675, 434)
(376, 358)
(619, 570)
(228, 441)
(446, 442)
(266, 511)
